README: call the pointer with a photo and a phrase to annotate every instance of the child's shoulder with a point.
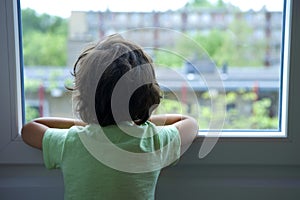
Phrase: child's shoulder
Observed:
(72, 133)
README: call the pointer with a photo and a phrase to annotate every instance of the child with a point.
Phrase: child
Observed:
(118, 149)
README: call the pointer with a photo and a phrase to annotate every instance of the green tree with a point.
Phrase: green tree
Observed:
(221, 4)
(32, 21)
(199, 4)
(238, 48)
(258, 118)
(207, 4)
(44, 39)
(44, 49)
(31, 113)
(233, 46)
(167, 58)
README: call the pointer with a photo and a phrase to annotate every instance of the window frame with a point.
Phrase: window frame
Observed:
(12, 148)
(228, 150)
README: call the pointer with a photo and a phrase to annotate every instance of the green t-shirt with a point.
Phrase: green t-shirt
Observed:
(111, 162)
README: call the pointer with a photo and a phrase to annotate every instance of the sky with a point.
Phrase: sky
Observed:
(63, 8)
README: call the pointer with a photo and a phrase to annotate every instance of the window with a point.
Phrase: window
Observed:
(228, 150)
(233, 59)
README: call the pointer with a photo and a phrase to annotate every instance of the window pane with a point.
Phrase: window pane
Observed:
(197, 46)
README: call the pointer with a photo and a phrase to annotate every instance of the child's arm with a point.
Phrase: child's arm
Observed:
(33, 132)
(187, 127)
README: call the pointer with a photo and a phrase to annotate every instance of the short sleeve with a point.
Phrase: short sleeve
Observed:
(53, 146)
(170, 142)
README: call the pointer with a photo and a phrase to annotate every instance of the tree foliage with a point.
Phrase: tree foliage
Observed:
(44, 39)
(168, 59)
(207, 4)
(199, 4)
(257, 117)
(234, 46)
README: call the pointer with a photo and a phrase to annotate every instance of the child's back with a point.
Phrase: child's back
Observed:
(117, 150)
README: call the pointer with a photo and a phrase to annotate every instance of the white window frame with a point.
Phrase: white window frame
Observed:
(12, 148)
(228, 150)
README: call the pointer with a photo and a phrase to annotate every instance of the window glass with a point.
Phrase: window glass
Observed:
(219, 61)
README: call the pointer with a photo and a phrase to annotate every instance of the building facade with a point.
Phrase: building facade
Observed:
(152, 29)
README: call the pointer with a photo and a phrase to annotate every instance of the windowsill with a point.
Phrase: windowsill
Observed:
(243, 134)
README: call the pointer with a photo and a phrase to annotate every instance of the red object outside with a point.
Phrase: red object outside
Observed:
(41, 100)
